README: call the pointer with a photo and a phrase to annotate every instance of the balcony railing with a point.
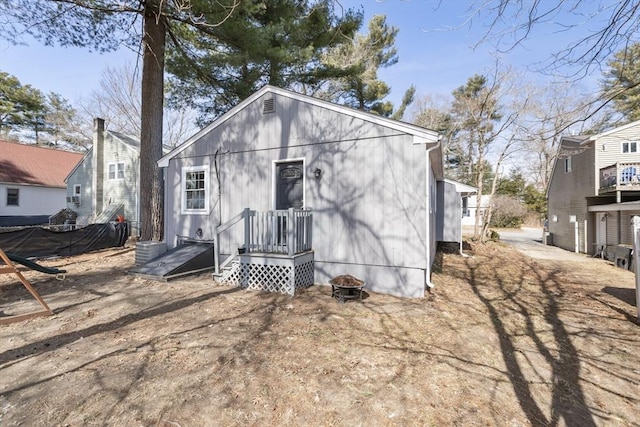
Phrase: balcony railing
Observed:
(620, 177)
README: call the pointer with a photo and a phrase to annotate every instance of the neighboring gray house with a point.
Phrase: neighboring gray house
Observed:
(595, 190)
(106, 182)
(454, 199)
(304, 187)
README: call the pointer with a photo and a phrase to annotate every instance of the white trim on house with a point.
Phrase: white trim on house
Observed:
(116, 171)
(461, 188)
(578, 140)
(14, 197)
(568, 166)
(614, 130)
(183, 192)
(614, 207)
(420, 135)
(631, 146)
(119, 136)
(584, 140)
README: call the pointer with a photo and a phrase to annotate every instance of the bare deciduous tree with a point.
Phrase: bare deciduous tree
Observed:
(601, 27)
(558, 109)
(596, 29)
(118, 101)
(487, 113)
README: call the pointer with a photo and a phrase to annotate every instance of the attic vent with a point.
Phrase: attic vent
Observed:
(269, 106)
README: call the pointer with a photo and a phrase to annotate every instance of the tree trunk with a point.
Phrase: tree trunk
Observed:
(151, 182)
(479, 178)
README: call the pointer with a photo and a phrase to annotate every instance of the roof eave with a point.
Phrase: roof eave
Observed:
(422, 134)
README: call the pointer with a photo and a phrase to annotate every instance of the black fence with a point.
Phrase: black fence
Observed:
(40, 242)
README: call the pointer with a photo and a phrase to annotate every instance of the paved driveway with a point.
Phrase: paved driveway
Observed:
(529, 241)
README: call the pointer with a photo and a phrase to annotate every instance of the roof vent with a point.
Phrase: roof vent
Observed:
(269, 106)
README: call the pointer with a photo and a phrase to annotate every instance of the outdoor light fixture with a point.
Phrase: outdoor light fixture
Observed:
(317, 173)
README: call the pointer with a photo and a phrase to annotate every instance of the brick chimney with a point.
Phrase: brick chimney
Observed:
(98, 165)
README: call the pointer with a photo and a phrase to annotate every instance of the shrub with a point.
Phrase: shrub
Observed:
(508, 212)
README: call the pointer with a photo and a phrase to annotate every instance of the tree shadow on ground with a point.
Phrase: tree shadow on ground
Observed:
(623, 294)
(507, 304)
(58, 341)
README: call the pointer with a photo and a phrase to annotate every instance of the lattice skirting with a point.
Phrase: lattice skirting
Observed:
(272, 274)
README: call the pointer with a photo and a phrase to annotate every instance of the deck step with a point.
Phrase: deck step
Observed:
(225, 271)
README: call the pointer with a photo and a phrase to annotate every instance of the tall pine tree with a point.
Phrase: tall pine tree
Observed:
(475, 110)
(362, 58)
(276, 42)
(622, 82)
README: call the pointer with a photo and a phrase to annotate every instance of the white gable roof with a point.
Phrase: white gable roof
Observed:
(462, 188)
(420, 134)
(614, 130)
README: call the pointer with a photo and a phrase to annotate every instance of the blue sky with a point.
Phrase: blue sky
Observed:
(434, 44)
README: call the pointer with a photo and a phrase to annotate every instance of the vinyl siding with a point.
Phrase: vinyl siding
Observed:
(33, 200)
(609, 152)
(567, 197)
(626, 228)
(369, 206)
(449, 227)
(82, 175)
(568, 192)
(123, 191)
(609, 148)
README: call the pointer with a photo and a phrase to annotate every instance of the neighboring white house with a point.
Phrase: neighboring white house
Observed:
(32, 182)
(106, 182)
(346, 191)
(595, 190)
(471, 207)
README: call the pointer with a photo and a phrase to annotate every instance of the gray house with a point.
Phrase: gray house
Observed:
(453, 210)
(295, 188)
(595, 190)
(106, 182)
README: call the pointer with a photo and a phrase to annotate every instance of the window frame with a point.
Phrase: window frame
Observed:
(627, 147)
(183, 190)
(10, 197)
(466, 212)
(568, 165)
(77, 192)
(119, 170)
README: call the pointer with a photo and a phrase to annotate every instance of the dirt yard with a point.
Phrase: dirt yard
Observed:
(502, 340)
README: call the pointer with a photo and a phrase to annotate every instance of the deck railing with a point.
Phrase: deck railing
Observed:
(620, 176)
(281, 232)
(286, 232)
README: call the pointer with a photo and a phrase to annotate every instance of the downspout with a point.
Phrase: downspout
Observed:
(462, 254)
(427, 198)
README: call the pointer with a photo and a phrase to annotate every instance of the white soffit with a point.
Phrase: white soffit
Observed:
(614, 207)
